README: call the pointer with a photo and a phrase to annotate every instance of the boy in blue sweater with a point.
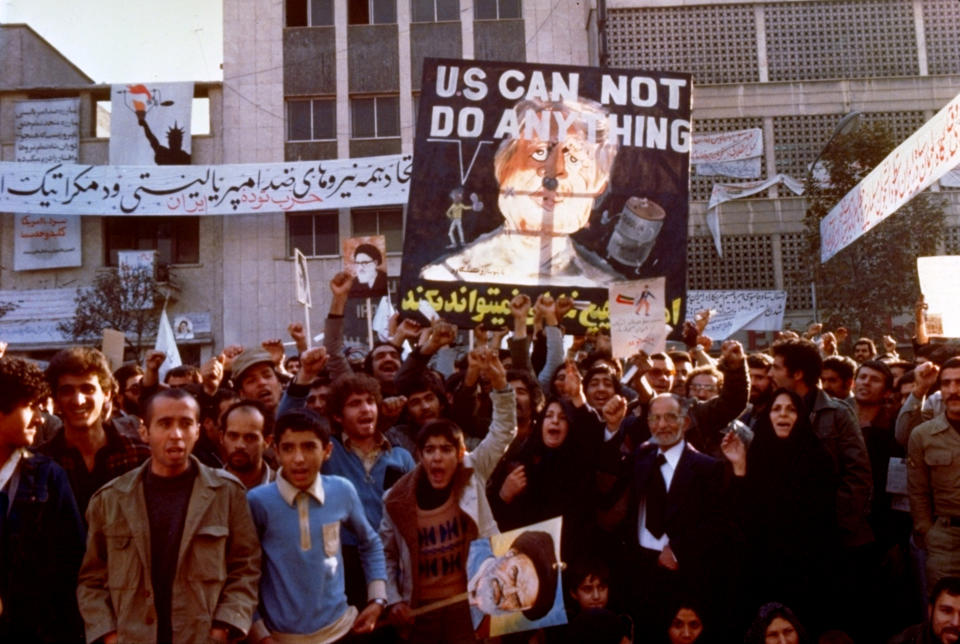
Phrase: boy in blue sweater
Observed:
(298, 519)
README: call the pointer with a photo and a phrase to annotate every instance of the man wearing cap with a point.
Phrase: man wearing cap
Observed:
(524, 579)
(255, 378)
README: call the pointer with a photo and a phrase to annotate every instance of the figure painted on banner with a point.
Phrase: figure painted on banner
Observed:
(182, 328)
(522, 580)
(643, 302)
(455, 214)
(371, 278)
(172, 155)
(548, 188)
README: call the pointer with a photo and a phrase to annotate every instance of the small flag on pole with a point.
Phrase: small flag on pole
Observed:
(167, 344)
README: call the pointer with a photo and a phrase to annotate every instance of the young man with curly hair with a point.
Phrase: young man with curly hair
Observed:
(41, 532)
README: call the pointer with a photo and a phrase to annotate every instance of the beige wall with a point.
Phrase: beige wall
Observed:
(201, 283)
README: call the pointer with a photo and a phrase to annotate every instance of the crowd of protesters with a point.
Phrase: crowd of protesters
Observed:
(794, 495)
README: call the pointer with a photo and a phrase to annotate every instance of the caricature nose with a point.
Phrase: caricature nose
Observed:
(553, 168)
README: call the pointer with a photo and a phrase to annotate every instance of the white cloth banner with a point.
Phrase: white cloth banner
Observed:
(951, 179)
(738, 169)
(637, 317)
(941, 290)
(46, 241)
(924, 157)
(723, 192)
(239, 189)
(150, 123)
(733, 154)
(168, 344)
(738, 310)
(48, 131)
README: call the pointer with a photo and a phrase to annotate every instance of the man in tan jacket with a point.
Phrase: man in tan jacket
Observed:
(172, 552)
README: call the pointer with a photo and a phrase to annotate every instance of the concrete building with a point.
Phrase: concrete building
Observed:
(318, 79)
(321, 79)
(330, 78)
(793, 68)
(189, 246)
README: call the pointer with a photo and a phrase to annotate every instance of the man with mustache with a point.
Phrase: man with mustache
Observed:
(255, 378)
(245, 428)
(943, 617)
(933, 468)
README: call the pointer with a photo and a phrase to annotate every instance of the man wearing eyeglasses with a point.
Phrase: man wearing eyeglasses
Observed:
(704, 383)
(674, 505)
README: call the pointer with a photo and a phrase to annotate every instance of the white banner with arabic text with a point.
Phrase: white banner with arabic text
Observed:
(239, 189)
(924, 157)
(734, 311)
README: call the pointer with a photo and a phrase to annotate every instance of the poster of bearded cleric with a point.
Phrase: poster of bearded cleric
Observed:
(533, 179)
(514, 580)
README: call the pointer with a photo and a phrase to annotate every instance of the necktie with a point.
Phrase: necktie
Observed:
(657, 500)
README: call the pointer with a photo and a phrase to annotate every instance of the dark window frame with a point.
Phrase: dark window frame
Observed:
(330, 235)
(176, 239)
(435, 11)
(376, 117)
(501, 7)
(371, 12)
(332, 102)
(303, 10)
(394, 242)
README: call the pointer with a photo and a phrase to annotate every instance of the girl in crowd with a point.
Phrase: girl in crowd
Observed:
(776, 624)
(686, 625)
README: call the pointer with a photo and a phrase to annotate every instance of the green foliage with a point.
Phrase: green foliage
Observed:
(127, 300)
(875, 278)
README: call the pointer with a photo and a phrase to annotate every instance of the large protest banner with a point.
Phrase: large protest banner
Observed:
(928, 154)
(234, 189)
(535, 178)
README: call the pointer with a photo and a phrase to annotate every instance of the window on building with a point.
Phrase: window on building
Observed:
(371, 12)
(380, 221)
(496, 9)
(376, 117)
(309, 13)
(176, 239)
(314, 233)
(434, 10)
(311, 119)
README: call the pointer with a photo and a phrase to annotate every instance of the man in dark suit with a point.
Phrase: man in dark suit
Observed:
(675, 520)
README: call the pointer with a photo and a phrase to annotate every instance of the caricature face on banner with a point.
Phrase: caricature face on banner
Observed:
(545, 179)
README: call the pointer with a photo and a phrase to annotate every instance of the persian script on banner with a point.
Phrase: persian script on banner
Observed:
(48, 131)
(533, 178)
(238, 189)
(924, 157)
(738, 311)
